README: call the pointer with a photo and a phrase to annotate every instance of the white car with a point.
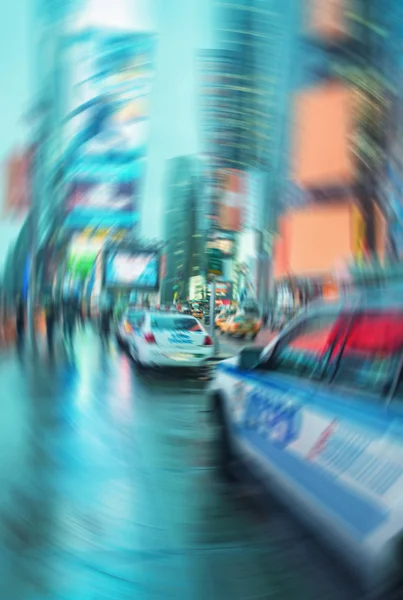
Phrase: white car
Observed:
(157, 339)
(318, 415)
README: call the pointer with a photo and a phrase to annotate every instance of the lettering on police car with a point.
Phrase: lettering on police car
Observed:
(238, 403)
(274, 416)
(180, 338)
(356, 457)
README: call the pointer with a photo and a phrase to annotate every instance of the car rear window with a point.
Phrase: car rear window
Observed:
(134, 317)
(175, 324)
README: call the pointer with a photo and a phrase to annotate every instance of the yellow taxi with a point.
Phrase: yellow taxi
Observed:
(197, 312)
(242, 325)
(221, 318)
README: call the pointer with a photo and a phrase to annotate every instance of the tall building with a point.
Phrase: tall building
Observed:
(321, 169)
(339, 142)
(259, 34)
(369, 24)
(183, 233)
(245, 94)
(392, 182)
(245, 89)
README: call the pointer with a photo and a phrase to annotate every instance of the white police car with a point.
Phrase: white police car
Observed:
(158, 339)
(318, 415)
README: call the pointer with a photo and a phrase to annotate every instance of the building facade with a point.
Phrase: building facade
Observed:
(183, 233)
(246, 82)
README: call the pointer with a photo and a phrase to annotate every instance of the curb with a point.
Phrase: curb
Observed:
(220, 357)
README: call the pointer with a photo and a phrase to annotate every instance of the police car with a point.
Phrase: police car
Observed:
(318, 416)
(157, 339)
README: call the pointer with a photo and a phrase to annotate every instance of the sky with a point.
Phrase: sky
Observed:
(182, 27)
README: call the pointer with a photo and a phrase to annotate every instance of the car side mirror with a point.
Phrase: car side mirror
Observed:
(249, 357)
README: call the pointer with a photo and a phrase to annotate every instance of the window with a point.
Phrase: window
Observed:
(303, 351)
(135, 318)
(175, 323)
(372, 352)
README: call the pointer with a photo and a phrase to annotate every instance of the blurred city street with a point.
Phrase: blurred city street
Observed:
(110, 490)
(182, 182)
(228, 346)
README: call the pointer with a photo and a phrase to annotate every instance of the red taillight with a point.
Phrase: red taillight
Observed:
(149, 338)
(208, 341)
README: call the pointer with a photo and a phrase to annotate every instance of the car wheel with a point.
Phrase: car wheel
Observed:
(226, 456)
(242, 336)
(134, 356)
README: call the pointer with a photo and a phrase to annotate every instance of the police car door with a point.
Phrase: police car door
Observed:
(316, 416)
(274, 407)
(361, 457)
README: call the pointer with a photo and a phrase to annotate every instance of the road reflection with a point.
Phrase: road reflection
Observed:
(121, 497)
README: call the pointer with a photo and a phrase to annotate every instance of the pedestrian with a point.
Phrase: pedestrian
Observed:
(69, 318)
(20, 322)
(82, 315)
(50, 316)
(106, 318)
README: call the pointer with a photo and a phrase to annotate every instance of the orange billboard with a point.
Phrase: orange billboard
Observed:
(324, 121)
(231, 201)
(313, 241)
(326, 18)
(17, 197)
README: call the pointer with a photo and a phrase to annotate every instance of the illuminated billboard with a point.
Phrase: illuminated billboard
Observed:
(232, 198)
(223, 290)
(18, 183)
(107, 125)
(326, 19)
(134, 270)
(324, 125)
(102, 196)
(222, 241)
(332, 234)
(112, 77)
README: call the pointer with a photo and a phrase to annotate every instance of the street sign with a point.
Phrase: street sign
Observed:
(215, 262)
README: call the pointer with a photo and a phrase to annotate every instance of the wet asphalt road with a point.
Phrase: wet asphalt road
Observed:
(110, 491)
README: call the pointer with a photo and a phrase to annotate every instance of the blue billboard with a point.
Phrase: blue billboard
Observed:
(134, 270)
(107, 125)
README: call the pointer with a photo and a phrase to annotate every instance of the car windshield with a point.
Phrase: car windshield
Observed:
(251, 314)
(133, 316)
(175, 323)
